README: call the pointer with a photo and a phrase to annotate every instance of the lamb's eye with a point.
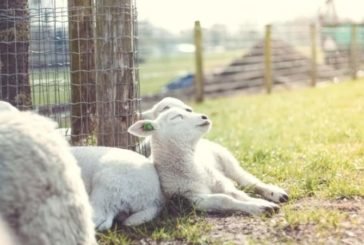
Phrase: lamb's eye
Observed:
(179, 117)
(165, 108)
(189, 110)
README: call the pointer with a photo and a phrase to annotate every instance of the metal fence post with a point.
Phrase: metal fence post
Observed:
(199, 77)
(313, 55)
(268, 58)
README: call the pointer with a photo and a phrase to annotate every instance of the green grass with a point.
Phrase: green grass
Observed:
(177, 222)
(308, 141)
(51, 85)
(312, 140)
(157, 72)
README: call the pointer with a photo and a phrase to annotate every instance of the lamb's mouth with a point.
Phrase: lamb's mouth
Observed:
(207, 123)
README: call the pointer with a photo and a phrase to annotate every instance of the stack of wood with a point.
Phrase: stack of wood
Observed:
(288, 67)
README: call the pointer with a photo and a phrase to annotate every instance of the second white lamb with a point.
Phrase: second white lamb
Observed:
(225, 161)
(121, 184)
(187, 168)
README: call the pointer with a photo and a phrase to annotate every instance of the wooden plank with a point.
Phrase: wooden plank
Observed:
(242, 76)
(277, 62)
(234, 84)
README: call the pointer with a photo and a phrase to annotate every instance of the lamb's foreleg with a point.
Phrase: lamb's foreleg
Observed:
(223, 202)
(232, 169)
(241, 195)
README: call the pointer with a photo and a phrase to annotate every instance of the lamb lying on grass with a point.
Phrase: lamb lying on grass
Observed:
(187, 167)
(121, 184)
(224, 161)
(42, 197)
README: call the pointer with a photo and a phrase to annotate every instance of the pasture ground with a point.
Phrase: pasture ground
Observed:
(308, 141)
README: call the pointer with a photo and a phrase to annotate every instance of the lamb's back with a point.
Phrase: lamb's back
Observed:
(131, 173)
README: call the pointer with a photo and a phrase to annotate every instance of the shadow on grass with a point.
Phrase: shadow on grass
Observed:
(178, 221)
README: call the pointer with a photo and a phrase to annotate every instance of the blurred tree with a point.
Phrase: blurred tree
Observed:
(216, 35)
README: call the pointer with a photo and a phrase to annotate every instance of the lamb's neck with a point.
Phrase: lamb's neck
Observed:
(171, 152)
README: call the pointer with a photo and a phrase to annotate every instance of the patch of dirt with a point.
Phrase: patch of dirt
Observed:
(239, 229)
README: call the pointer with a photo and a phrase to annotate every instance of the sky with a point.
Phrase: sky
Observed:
(176, 15)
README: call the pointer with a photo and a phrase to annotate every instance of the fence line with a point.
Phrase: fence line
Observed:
(256, 59)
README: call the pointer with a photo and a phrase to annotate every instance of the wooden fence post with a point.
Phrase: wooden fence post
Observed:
(199, 76)
(15, 86)
(116, 72)
(313, 55)
(82, 68)
(354, 51)
(268, 59)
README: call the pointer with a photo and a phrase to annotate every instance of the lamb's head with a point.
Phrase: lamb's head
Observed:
(175, 124)
(163, 105)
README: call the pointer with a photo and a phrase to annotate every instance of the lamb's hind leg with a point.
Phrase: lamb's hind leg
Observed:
(105, 207)
(223, 202)
(233, 170)
(142, 216)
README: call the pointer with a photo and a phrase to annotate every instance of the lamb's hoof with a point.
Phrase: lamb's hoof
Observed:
(271, 210)
(274, 193)
(268, 212)
(284, 198)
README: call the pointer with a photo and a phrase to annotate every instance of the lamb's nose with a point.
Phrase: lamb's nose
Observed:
(204, 117)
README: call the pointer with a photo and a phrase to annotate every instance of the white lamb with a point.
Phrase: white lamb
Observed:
(121, 184)
(188, 168)
(6, 106)
(42, 196)
(226, 163)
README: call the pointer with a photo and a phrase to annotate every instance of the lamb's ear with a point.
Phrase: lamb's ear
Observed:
(143, 128)
(147, 114)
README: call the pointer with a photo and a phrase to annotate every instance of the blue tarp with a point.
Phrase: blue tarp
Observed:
(181, 82)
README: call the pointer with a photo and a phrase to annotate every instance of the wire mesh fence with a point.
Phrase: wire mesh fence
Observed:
(78, 64)
(74, 64)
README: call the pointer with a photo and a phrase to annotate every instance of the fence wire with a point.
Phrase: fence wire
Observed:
(76, 65)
